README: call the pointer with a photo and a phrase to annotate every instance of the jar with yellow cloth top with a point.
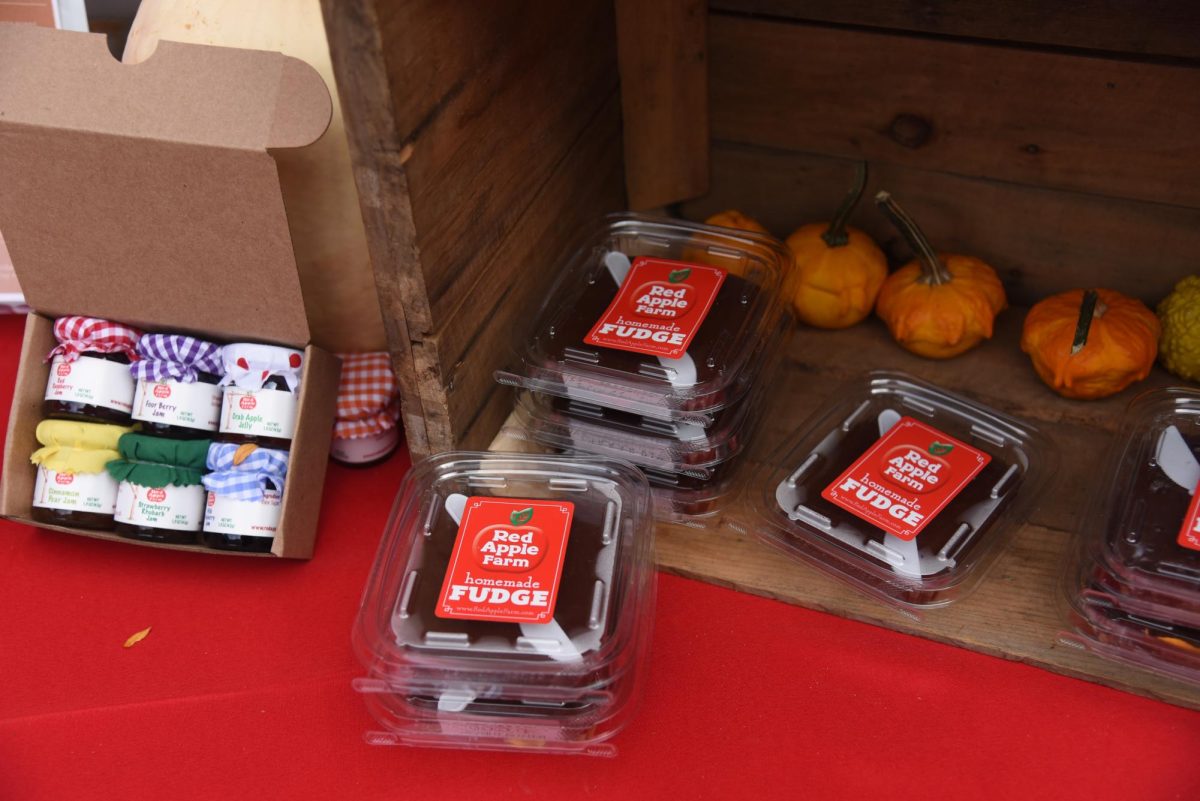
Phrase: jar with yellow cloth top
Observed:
(72, 487)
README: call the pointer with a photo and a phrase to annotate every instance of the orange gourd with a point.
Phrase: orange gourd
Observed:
(838, 270)
(1092, 344)
(939, 304)
(732, 218)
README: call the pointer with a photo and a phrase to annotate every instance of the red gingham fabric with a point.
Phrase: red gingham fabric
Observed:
(77, 335)
(368, 401)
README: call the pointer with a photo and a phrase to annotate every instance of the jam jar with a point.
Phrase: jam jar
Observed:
(89, 370)
(160, 497)
(177, 393)
(366, 432)
(72, 487)
(245, 496)
(262, 393)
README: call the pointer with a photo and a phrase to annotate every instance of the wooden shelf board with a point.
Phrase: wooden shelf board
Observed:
(1016, 612)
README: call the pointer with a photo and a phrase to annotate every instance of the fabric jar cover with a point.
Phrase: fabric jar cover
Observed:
(368, 401)
(157, 461)
(175, 357)
(78, 335)
(247, 479)
(74, 447)
(248, 365)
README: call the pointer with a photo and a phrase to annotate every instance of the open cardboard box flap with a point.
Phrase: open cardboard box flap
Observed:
(145, 193)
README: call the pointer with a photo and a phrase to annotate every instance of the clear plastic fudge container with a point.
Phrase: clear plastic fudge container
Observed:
(659, 318)
(512, 595)
(901, 489)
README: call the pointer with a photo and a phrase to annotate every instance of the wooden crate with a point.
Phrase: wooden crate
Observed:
(1057, 142)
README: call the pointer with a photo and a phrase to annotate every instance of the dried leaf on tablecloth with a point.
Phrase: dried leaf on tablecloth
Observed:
(134, 639)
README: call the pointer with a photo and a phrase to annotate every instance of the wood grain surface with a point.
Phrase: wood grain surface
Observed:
(1106, 126)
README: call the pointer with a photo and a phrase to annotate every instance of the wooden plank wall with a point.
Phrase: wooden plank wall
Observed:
(484, 137)
(1061, 144)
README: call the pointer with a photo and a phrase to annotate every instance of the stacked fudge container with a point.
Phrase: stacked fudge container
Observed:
(1133, 586)
(510, 604)
(656, 345)
(165, 438)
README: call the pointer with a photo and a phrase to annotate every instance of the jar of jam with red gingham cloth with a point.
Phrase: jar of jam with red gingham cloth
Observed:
(367, 428)
(89, 370)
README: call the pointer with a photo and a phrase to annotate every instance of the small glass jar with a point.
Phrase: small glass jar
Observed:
(74, 500)
(245, 497)
(95, 387)
(178, 410)
(261, 397)
(160, 497)
(365, 451)
(237, 525)
(72, 487)
(89, 377)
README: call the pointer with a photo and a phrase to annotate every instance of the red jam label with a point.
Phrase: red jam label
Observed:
(1189, 533)
(659, 308)
(907, 477)
(507, 560)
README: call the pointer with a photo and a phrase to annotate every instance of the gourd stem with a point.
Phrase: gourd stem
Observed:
(932, 270)
(1089, 310)
(835, 236)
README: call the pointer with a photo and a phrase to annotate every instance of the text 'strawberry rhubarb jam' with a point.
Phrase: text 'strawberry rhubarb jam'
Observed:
(657, 318)
(1134, 586)
(510, 604)
(159, 494)
(903, 490)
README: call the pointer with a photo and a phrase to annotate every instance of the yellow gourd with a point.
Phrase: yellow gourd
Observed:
(838, 269)
(937, 305)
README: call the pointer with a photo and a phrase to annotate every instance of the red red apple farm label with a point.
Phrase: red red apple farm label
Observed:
(659, 308)
(1189, 533)
(507, 560)
(907, 477)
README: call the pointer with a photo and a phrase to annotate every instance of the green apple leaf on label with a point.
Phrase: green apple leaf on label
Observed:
(940, 448)
(521, 516)
(675, 276)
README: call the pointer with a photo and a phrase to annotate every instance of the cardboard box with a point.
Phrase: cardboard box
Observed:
(146, 194)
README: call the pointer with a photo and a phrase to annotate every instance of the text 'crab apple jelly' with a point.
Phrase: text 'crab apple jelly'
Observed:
(89, 370)
(904, 490)
(510, 604)
(261, 397)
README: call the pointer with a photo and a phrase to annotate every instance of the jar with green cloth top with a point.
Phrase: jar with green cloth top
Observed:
(160, 497)
(72, 487)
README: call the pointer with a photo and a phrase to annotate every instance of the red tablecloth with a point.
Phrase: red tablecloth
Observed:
(242, 691)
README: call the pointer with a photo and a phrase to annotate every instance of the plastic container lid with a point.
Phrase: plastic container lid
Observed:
(902, 489)
(655, 317)
(525, 579)
(1152, 477)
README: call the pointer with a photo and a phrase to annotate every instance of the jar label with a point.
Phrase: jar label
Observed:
(176, 508)
(507, 560)
(360, 450)
(659, 308)
(75, 492)
(258, 412)
(226, 515)
(195, 405)
(906, 478)
(97, 382)
(1189, 532)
